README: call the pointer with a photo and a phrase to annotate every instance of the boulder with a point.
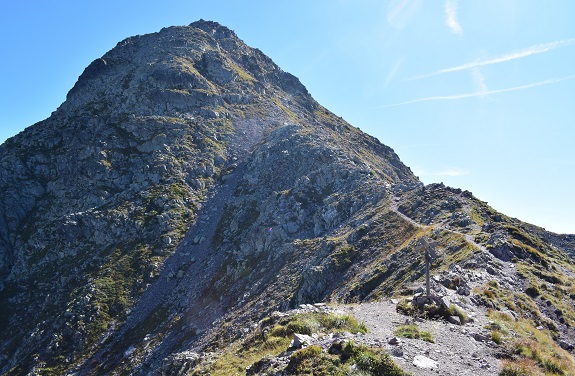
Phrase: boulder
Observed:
(301, 340)
(421, 361)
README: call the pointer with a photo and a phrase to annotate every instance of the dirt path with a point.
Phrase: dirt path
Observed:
(458, 350)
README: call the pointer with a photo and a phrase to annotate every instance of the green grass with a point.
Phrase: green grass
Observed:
(321, 323)
(413, 332)
(522, 367)
(534, 351)
(343, 257)
(289, 113)
(236, 359)
(454, 310)
(241, 73)
(405, 307)
(274, 336)
(369, 361)
(553, 286)
(497, 337)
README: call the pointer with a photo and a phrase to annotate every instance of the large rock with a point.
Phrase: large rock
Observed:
(301, 340)
(421, 361)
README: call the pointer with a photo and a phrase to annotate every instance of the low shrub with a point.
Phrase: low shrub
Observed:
(497, 337)
(404, 307)
(454, 310)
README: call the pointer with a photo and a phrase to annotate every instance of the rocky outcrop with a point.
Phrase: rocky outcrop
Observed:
(98, 198)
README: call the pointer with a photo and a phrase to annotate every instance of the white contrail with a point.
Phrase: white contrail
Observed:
(451, 17)
(533, 50)
(479, 82)
(481, 93)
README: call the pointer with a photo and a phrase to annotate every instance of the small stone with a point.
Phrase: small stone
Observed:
(129, 351)
(397, 352)
(464, 290)
(454, 320)
(394, 341)
(566, 345)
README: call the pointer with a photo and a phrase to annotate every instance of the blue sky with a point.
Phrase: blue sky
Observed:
(477, 94)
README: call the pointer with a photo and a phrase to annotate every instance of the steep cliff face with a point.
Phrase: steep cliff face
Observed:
(186, 183)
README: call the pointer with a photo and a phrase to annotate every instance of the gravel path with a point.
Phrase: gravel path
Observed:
(456, 350)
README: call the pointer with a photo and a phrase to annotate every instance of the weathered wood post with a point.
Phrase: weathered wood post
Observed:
(429, 254)
(427, 262)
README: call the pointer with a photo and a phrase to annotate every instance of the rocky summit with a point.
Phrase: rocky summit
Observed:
(191, 209)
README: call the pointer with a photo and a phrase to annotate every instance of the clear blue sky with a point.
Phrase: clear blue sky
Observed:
(477, 94)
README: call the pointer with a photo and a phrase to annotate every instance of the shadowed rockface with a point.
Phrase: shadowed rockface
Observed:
(188, 187)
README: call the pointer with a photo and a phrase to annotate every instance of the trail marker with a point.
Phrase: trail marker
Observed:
(428, 248)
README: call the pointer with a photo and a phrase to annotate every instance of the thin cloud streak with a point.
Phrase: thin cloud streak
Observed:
(532, 50)
(480, 93)
(451, 7)
(393, 72)
(479, 82)
(401, 12)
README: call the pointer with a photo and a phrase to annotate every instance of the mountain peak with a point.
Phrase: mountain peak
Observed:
(179, 69)
(188, 181)
(214, 28)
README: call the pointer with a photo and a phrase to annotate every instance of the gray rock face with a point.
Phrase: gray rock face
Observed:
(97, 199)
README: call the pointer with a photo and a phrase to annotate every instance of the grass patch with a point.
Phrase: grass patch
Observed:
(405, 307)
(245, 76)
(321, 323)
(522, 367)
(235, 360)
(534, 351)
(273, 336)
(476, 216)
(497, 337)
(290, 114)
(343, 257)
(454, 310)
(413, 331)
(368, 361)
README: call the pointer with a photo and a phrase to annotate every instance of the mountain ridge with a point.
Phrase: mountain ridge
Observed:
(187, 181)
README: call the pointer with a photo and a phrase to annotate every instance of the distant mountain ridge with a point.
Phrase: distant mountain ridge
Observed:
(188, 187)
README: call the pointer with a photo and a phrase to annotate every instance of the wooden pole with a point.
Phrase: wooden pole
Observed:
(427, 259)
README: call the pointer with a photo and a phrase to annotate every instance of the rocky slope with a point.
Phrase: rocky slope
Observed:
(188, 187)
